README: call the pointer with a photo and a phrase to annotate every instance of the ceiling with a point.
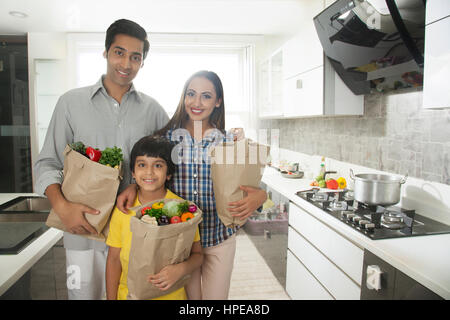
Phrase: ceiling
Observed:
(267, 17)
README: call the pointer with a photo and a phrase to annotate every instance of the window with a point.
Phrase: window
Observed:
(170, 62)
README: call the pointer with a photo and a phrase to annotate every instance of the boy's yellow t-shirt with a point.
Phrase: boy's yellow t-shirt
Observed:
(120, 236)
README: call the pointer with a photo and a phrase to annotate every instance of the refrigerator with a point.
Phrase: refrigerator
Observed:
(15, 144)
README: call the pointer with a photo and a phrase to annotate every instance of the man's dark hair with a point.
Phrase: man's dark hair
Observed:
(156, 147)
(130, 28)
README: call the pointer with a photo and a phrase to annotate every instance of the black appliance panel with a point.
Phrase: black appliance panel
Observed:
(380, 49)
(395, 285)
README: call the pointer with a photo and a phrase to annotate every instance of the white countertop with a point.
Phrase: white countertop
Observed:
(14, 266)
(423, 258)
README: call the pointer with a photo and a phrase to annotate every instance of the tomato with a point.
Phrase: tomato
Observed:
(175, 219)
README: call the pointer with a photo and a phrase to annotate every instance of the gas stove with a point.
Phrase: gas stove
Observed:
(374, 221)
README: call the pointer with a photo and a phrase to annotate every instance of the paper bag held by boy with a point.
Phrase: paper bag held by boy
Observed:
(154, 247)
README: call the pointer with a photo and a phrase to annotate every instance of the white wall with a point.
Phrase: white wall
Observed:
(46, 46)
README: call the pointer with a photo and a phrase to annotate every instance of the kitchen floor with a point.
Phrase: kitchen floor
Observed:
(252, 278)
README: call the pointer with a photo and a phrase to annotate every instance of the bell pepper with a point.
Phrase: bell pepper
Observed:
(93, 154)
(342, 183)
(186, 216)
(158, 205)
(332, 184)
(175, 219)
(146, 210)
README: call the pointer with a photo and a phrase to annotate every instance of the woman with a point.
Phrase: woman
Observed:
(198, 125)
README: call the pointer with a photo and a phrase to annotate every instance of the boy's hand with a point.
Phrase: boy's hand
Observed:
(126, 198)
(166, 277)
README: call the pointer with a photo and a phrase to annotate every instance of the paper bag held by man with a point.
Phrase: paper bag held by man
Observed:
(91, 183)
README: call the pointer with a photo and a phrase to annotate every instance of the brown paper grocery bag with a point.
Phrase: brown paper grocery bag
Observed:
(92, 184)
(154, 247)
(235, 164)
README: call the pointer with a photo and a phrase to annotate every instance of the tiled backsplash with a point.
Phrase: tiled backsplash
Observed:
(395, 135)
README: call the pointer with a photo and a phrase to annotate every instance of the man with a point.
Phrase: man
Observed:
(109, 113)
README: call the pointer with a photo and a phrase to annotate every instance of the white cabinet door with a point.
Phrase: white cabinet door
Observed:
(304, 52)
(303, 94)
(330, 276)
(344, 253)
(271, 86)
(300, 283)
(437, 65)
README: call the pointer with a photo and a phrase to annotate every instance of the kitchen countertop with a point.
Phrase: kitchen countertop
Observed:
(14, 266)
(423, 258)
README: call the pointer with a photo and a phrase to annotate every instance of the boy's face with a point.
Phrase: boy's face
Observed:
(124, 59)
(150, 173)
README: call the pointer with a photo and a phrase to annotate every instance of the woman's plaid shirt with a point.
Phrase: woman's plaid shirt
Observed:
(192, 180)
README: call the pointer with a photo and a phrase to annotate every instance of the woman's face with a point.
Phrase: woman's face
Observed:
(200, 99)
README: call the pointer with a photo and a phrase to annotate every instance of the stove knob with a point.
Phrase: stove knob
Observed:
(356, 219)
(349, 216)
(370, 227)
(363, 223)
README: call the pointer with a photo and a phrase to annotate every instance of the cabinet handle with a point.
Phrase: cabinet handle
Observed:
(373, 280)
(299, 84)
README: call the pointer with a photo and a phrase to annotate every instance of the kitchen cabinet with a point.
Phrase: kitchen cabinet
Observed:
(302, 285)
(437, 55)
(317, 252)
(47, 93)
(320, 92)
(271, 86)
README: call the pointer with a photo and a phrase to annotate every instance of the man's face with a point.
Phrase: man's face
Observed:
(124, 59)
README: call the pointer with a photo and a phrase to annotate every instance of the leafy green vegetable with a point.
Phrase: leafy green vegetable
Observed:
(79, 147)
(173, 208)
(112, 156)
(183, 207)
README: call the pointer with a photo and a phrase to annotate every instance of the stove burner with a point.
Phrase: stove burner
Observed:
(393, 220)
(374, 221)
(338, 205)
(320, 197)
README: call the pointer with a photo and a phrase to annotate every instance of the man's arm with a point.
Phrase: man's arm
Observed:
(48, 172)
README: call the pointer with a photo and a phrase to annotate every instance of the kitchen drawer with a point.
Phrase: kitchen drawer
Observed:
(329, 275)
(342, 252)
(300, 283)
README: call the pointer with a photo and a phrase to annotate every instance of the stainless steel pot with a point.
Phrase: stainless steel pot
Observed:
(377, 189)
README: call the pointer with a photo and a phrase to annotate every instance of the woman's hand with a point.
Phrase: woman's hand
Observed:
(126, 198)
(245, 207)
(166, 277)
(238, 133)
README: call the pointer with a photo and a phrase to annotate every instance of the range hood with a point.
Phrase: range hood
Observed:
(374, 44)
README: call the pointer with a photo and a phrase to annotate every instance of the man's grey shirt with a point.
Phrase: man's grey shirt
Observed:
(91, 116)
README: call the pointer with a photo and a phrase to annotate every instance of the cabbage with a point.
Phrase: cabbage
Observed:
(171, 209)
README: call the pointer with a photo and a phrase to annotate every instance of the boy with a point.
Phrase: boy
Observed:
(152, 168)
(109, 113)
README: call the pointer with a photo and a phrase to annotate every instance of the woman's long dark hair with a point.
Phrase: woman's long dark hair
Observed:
(217, 117)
